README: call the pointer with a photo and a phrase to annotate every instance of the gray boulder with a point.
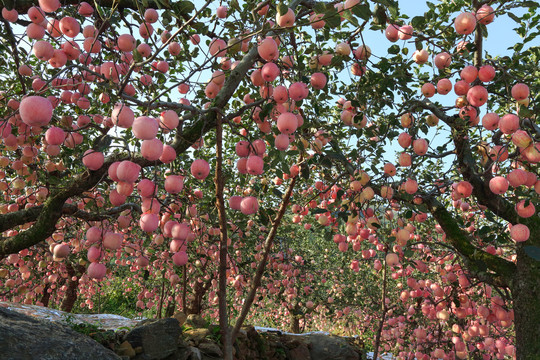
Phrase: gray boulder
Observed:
(327, 347)
(158, 338)
(23, 337)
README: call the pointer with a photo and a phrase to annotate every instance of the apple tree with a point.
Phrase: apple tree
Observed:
(157, 135)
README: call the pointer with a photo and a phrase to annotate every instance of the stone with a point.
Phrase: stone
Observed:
(300, 353)
(211, 349)
(125, 349)
(195, 354)
(23, 337)
(298, 347)
(196, 321)
(181, 317)
(196, 334)
(158, 338)
(327, 347)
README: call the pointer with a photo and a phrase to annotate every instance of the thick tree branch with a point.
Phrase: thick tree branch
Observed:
(161, 104)
(74, 211)
(12, 42)
(42, 229)
(223, 252)
(262, 264)
(16, 218)
(468, 164)
(21, 217)
(477, 260)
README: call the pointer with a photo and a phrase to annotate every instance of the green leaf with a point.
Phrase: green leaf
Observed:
(277, 192)
(343, 215)
(514, 17)
(282, 9)
(379, 15)
(532, 251)
(524, 112)
(264, 217)
(332, 19)
(394, 49)
(489, 216)
(362, 11)
(234, 4)
(328, 236)
(319, 8)
(326, 162)
(348, 16)
(183, 7)
(483, 230)
(417, 21)
(336, 156)
(304, 170)
(266, 110)
(530, 4)
(102, 143)
(318, 211)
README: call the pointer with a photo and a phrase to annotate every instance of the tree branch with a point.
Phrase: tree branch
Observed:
(477, 260)
(73, 210)
(467, 165)
(262, 264)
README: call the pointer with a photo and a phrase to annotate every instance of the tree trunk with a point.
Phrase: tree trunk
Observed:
(223, 248)
(295, 320)
(526, 298)
(262, 263)
(384, 310)
(46, 295)
(171, 307)
(195, 305)
(72, 286)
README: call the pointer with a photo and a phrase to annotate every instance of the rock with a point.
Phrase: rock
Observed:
(196, 321)
(158, 338)
(181, 317)
(300, 353)
(196, 335)
(327, 347)
(125, 349)
(298, 347)
(23, 337)
(211, 349)
(195, 354)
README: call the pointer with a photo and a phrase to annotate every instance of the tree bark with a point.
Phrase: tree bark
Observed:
(46, 295)
(384, 310)
(295, 319)
(526, 301)
(72, 286)
(223, 248)
(195, 306)
(262, 264)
